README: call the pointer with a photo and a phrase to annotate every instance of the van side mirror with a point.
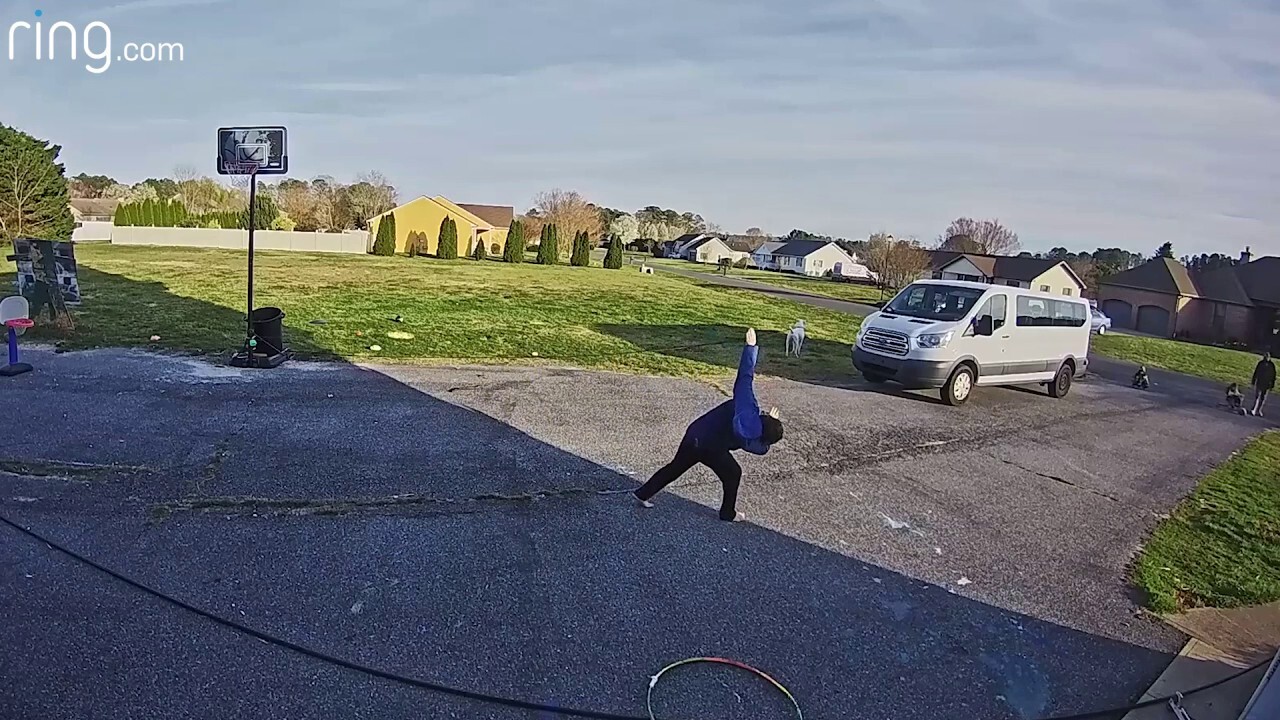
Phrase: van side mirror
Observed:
(984, 326)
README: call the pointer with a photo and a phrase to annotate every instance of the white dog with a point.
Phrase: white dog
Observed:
(795, 338)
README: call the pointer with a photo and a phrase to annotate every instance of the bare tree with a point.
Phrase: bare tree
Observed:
(988, 237)
(897, 262)
(659, 231)
(297, 200)
(625, 228)
(370, 196)
(569, 212)
(755, 232)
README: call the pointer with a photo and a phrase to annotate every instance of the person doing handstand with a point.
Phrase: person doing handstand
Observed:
(736, 424)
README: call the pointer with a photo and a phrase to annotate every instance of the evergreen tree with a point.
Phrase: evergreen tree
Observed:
(385, 241)
(613, 259)
(480, 253)
(413, 243)
(513, 251)
(549, 246)
(581, 250)
(34, 199)
(448, 247)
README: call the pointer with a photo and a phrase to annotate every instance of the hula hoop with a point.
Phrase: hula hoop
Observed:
(653, 681)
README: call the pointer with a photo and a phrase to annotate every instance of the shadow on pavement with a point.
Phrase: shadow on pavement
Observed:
(432, 540)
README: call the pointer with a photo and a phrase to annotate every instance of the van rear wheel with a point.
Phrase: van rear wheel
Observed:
(1061, 384)
(959, 386)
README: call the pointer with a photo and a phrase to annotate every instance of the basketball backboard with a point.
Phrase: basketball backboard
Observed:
(242, 148)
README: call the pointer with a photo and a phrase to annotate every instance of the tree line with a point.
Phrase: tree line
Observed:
(318, 205)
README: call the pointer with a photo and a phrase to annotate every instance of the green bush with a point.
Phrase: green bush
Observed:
(495, 249)
(447, 249)
(581, 250)
(549, 247)
(613, 258)
(513, 252)
(385, 242)
(480, 253)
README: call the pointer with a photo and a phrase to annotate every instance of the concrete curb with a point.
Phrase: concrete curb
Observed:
(1197, 664)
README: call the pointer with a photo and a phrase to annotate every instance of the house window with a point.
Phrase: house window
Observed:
(1066, 291)
(969, 278)
(1044, 288)
(819, 263)
(1012, 283)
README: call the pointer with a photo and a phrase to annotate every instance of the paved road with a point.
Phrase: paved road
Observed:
(736, 282)
(905, 559)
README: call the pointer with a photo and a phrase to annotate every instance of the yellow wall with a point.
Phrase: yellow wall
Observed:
(424, 215)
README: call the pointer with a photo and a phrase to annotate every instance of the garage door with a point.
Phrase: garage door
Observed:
(1120, 312)
(1153, 320)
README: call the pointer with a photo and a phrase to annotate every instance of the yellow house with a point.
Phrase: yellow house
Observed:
(476, 223)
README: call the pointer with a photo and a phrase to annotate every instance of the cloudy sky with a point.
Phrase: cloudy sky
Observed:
(1082, 123)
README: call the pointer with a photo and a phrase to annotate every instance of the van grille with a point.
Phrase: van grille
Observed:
(885, 341)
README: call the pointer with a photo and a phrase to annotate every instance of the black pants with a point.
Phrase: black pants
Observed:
(719, 460)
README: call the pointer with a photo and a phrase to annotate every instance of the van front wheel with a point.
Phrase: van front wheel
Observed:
(959, 386)
(1061, 384)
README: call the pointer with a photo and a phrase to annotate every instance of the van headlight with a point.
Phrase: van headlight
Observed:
(862, 330)
(933, 341)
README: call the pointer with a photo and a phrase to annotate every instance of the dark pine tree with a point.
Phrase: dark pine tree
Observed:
(613, 258)
(513, 251)
(447, 249)
(581, 250)
(385, 241)
(549, 246)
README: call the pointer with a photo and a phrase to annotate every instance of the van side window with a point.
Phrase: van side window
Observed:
(1033, 312)
(996, 306)
(1042, 312)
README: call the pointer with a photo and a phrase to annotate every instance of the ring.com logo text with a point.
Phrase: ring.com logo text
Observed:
(93, 41)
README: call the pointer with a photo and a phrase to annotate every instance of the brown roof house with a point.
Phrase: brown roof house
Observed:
(1051, 276)
(1236, 304)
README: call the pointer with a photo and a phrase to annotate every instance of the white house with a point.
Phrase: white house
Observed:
(763, 256)
(679, 247)
(815, 258)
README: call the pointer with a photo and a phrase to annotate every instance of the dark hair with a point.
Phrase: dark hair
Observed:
(772, 429)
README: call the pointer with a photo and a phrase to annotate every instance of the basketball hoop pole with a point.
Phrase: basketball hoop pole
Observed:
(253, 221)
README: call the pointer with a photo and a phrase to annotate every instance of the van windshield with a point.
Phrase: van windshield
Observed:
(934, 302)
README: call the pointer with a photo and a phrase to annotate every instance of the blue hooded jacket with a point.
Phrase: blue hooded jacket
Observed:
(735, 424)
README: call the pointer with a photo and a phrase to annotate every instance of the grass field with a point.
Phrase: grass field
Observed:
(1221, 546)
(786, 281)
(457, 311)
(1220, 364)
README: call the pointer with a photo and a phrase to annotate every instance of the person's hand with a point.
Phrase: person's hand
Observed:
(751, 336)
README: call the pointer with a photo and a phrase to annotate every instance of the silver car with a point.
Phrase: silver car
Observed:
(1101, 323)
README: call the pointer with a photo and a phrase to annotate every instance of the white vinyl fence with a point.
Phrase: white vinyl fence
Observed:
(351, 241)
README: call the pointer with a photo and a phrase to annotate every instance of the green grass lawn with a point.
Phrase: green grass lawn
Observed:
(1221, 546)
(457, 311)
(1213, 363)
(787, 281)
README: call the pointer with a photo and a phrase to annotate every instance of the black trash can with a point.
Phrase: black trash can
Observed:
(268, 327)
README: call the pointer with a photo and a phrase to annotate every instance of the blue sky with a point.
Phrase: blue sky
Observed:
(1083, 123)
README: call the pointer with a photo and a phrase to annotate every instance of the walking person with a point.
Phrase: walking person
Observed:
(1264, 381)
(736, 424)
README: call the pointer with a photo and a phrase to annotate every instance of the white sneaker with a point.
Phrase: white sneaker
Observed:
(643, 503)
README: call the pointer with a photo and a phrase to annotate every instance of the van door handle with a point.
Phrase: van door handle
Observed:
(1005, 337)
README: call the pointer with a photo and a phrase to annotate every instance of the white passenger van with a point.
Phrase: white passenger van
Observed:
(953, 335)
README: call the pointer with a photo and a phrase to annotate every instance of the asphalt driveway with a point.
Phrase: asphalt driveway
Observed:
(904, 559)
